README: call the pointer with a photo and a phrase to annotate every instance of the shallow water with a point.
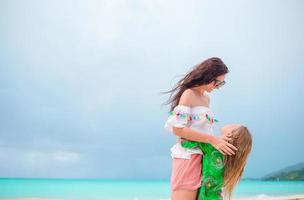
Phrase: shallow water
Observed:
(99, 189)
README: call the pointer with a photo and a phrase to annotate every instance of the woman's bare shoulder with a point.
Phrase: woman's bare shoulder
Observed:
(187, 98)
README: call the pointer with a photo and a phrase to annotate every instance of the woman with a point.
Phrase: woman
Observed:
(221, 172)
(192, 119)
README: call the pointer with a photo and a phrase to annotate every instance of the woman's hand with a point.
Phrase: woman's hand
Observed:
(226, 137)
(222, 145)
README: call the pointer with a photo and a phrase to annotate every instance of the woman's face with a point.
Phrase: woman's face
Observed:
(211, 86)
(227, 129)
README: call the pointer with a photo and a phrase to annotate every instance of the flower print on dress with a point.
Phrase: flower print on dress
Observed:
(217, 160)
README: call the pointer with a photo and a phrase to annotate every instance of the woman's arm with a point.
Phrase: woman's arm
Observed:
(190, 134)
(193, 135)
(218, 142)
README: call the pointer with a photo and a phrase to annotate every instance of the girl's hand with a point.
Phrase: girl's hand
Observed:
(223, 146)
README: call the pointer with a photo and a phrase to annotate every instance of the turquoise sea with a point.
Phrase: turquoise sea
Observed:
(101, 189)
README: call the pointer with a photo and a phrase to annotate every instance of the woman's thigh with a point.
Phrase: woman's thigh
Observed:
(186, 177)
(184, 195)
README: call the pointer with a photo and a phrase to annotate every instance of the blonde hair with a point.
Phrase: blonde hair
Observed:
(234, 164)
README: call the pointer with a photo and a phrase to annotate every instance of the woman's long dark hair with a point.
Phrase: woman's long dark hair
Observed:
(201, 74)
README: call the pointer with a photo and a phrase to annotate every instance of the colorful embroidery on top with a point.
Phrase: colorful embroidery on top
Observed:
(195, 117)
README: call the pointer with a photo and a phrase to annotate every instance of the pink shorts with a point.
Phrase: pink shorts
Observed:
(186, 173)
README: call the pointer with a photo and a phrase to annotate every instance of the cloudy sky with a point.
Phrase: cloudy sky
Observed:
(81, 82)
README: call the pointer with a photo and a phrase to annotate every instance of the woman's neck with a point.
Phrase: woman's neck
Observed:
(199, 90)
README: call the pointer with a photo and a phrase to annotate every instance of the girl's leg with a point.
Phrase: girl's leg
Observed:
(183, 195)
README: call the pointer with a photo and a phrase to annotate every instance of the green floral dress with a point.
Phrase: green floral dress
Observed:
(212, 171)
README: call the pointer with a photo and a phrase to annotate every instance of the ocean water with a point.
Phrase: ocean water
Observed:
(100, 189)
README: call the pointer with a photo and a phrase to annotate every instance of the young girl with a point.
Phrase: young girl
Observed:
(192, 119)
(221, 172)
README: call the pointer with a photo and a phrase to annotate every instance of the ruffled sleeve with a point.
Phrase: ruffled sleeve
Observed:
(179, 117)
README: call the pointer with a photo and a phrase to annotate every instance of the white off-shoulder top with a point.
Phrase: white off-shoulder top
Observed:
(199, 118)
